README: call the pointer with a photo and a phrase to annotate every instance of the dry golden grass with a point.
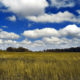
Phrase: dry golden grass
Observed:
(39, 66)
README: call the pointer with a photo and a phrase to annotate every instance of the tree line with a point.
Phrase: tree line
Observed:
(73, 49)
(20, 49)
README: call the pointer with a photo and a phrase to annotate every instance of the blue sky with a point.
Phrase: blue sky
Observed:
(39, 24)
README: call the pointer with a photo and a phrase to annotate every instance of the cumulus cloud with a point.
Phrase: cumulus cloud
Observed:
(8, 35)
(70, 30)
(55, 18)
(78, 11)
(8, 43)
(12, 18)
(52, 38)
(26, 41)
(8, 39)
(46, 38)
(38, 43)
(1, 41)
(62, 3)
(4, 26)
(34, 10)
(1, 30)
(37, 33)
(51, 43)
(26, 7)
(56, 40)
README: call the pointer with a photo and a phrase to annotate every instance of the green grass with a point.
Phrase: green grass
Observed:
(39, 66)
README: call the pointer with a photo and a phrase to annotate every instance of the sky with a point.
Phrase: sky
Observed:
(39, 24)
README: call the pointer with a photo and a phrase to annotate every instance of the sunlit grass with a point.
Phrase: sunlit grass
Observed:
(39, 66)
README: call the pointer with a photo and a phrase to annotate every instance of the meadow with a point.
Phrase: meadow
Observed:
(39, 66)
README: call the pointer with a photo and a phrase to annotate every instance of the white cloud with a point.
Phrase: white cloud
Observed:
(10, 42)
(46, 38)
(62, 43)
(51, 43)
(62, 3)
(38, 43)
(37, 33)
(34, 45)
(51, 40)
(34, 10)
(12, 18)
(56, 40)
(29, 25)
(4, 26)
(1, 41)
(26, 7)
(1, 30)
(8, 35)
(78, 11)
(55, 18)
(66, 37)
(26, 41)
(70, 30)
(47, 43)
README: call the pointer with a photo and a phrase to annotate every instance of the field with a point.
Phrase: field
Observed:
(39, 66)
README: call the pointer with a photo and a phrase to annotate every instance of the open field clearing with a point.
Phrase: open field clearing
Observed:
(39, 66)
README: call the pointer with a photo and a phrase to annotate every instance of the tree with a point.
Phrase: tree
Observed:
(20, 49)
(10, 49)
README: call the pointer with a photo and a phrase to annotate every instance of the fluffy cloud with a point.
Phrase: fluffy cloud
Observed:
(46, 38)
(62, 38)
(51, 43)
(55, 40)
(8, 39)
(26, 7)
(37, 33)
(4, 26)
(1, 41)
(52, 38)
(78, 11)
(8, 43)
(0, 30)
(70, 30)
(26, 41)
(34, 10)
(59, 17)
(7, 35)
(12, 18)
(62, 3)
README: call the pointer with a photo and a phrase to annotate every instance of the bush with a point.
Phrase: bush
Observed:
(20, 49)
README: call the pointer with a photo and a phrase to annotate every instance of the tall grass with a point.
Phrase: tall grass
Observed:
(39, 66)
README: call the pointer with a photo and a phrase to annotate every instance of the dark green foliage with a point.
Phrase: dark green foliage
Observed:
(20, 49)
(73, 49)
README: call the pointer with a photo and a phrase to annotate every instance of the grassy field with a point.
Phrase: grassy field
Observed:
(39, 66)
